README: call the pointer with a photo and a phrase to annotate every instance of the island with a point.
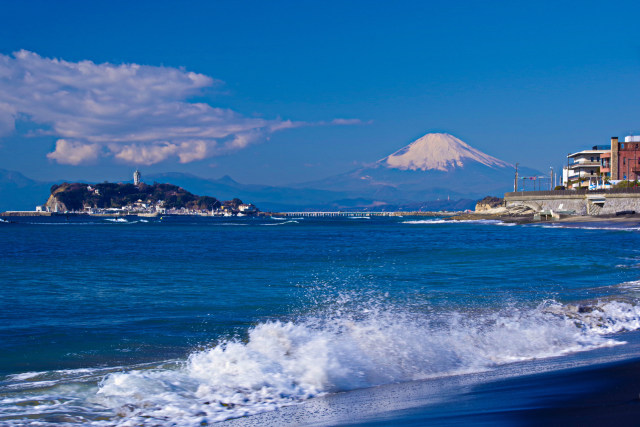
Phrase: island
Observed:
(138, 199)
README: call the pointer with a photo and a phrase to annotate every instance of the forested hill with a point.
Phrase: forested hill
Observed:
(77, 196)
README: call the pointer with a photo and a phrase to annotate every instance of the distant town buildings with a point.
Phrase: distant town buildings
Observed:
(603, 165)
(247, 210)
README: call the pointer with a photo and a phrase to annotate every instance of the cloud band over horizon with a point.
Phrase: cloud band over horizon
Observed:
(136, 114)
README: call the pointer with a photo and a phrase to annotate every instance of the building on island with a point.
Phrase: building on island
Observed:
(601, 165)
(137, 177)
(247, 210)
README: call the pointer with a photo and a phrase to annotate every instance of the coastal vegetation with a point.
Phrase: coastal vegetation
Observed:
(627, 184)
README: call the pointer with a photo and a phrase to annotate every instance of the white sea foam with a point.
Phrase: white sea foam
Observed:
(66, 223)
(633, 285)
(351, 346)
(284, 222)
(574, 226)
(116, 219)
(428, 221)
(449, 221)
(23, 376)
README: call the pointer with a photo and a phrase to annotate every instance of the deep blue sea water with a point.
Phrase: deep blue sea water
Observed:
(187, 320)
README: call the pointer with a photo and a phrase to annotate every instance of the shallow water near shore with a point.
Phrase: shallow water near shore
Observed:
(195, 320)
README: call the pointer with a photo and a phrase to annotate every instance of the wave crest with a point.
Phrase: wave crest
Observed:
(286, 362)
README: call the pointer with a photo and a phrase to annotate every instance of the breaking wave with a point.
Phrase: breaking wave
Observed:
(349, 347)
(286, 362)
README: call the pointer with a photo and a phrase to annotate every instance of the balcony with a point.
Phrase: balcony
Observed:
(584, 165)
(582, 175)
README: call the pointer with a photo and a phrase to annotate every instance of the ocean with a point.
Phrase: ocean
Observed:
(306, 321)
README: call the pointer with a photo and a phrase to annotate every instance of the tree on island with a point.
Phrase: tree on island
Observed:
(234, 203)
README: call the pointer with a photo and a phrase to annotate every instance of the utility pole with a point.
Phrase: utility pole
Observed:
(568, 186)
(515, 182)
(551, 179)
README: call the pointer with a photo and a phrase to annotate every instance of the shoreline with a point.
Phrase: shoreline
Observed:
(528, 219)
(632, 219)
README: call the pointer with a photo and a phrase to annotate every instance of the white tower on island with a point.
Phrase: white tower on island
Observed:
(137, 177)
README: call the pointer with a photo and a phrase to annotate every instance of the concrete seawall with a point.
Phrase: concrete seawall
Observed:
(27, 213)
(582, 203)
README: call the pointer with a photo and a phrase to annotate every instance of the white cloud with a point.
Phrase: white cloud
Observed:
(7, 119)
(143, 154)
(134, 113)
(74, 152)
(348, 122)
(193, 150)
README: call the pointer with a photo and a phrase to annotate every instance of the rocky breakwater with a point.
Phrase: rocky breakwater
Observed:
(489, 203)
(495, 208)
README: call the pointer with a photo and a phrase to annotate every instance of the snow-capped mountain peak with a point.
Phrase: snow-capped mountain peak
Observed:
(438, 151)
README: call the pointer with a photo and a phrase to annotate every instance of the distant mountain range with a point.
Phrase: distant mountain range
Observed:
(437, 171)
(264, 196)
(17, 192)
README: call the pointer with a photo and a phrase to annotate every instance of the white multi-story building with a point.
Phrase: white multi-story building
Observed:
(585, 168)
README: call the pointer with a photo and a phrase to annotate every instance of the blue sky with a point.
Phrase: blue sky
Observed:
(286, 92)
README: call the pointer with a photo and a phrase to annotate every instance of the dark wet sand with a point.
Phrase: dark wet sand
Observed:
(601, 395)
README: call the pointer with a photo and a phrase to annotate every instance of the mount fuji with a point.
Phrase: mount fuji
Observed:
(435, 166)
(439, 152)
